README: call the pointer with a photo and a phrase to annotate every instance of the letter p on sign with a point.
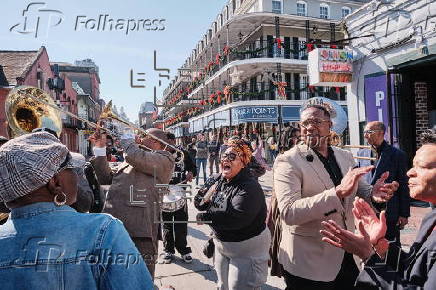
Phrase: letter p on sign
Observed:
(379, 96)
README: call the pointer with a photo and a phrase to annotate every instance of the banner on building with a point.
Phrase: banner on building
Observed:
(267, 114)
(376, 101)
(330, 67)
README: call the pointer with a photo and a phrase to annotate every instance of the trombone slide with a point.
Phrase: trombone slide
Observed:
(365, 158)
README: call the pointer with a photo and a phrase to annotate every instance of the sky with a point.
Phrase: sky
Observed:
(68, 30)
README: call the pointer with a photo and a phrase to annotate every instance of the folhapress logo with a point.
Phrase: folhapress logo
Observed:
(37, 19)
(107, 23)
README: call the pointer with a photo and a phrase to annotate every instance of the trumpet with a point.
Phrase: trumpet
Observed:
(28, 108)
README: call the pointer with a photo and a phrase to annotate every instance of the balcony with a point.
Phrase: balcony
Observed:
(267, 90)
(69, 122)
(271, 49)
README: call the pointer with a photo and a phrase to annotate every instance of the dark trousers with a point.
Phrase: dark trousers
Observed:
(344, 280)
(174, 234)
(214, 159)
(393, 232)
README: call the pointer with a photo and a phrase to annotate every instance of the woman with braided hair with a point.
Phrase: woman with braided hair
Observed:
(236, 209)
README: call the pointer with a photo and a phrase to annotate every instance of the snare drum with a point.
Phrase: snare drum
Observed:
(174, 200)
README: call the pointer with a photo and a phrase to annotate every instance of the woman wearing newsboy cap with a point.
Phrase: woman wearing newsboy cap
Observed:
(46, 244)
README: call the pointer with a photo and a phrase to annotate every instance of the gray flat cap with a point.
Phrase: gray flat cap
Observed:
(28, 162)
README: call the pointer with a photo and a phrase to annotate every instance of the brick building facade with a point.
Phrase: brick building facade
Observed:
(31, 68)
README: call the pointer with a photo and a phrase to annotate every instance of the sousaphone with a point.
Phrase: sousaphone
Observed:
(25, 113)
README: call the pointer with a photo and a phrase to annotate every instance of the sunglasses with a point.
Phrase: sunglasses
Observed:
(229, 156)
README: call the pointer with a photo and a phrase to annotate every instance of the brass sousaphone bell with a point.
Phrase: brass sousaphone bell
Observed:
(25, 113)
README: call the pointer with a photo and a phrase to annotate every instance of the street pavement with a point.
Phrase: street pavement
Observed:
(200, 274)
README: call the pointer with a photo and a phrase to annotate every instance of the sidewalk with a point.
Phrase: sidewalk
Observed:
(200, 274)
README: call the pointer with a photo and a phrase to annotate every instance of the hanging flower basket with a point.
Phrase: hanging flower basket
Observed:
(226, 50)
(218, 59)
(279, 43)
(281, 88)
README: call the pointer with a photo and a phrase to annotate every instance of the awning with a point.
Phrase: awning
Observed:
(291, 113)
(221, 119)
(196, 125)
(412, 57)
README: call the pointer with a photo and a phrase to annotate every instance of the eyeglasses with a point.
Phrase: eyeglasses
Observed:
(369, 132)
(314, 122)
(229, 156)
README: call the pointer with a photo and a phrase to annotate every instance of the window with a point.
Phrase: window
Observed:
(301, 8)
(345, 11)
(40, 78)
(304, 82)
(324, 11)
(276, 7)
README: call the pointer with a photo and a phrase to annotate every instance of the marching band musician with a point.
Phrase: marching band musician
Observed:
(133, 196)
(174, 234)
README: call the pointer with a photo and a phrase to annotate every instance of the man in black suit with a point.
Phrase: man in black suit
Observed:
(394, 161)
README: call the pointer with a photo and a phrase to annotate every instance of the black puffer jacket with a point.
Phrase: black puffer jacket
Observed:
(237, 209)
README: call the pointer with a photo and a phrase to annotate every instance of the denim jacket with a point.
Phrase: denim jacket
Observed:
(48, 247)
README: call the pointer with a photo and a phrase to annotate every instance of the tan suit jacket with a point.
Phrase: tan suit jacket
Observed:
(133, 196)
(306, 196)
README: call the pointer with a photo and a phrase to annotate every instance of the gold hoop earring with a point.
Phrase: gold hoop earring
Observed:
(62, 197)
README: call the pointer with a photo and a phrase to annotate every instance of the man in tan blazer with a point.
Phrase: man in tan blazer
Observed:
(313, 183)
(133, 196)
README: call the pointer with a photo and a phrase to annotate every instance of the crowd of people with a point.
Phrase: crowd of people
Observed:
(330, 225)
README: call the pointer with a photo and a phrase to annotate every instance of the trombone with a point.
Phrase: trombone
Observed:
(337, 141)
(107, 113)
(28, 108)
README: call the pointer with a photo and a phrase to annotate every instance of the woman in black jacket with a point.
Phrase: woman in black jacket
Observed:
(236, 208)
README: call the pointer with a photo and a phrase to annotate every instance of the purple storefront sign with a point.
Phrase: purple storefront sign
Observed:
(376, 99)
